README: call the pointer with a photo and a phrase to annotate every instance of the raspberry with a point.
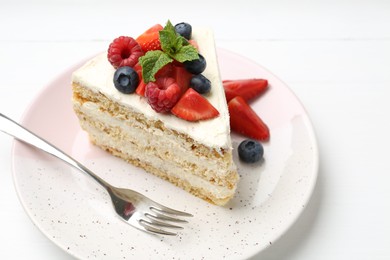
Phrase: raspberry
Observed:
(163, 94)
(124, 51)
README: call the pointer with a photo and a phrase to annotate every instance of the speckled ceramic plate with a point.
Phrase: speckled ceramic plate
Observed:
(75, 213)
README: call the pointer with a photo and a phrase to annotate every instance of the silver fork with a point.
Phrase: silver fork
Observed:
(133, 207)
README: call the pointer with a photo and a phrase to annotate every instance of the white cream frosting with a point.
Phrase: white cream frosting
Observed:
(97, 74)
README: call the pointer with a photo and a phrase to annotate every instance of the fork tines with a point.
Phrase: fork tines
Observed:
(160, 217)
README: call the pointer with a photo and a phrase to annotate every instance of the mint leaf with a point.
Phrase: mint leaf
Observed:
(152, 62)
(168, 41)
(186, 53)
(176, 46)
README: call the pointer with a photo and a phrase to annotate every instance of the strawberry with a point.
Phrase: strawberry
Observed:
(193, 107)
(140, 90)
(165, 71)
(246, 88)
(244, 120)
(194, 43)
(150, 39)
(183, 78)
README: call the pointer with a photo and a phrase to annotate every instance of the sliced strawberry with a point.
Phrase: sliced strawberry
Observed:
(140, 90)
(193, 107)
(246, 88)
(244, 120)
(183, 77)
(165, 71)
(138, 68)
(194, 43)
(150, 40)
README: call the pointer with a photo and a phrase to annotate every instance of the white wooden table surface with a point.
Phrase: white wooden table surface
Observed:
(335, 56)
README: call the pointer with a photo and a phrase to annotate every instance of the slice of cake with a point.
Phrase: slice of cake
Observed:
(194, 154)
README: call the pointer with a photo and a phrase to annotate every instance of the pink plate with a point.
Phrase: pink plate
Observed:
(75, 213)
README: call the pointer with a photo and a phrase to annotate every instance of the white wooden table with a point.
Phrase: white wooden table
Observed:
(335, 55)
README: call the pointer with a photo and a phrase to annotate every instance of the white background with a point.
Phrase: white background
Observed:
(335, 56)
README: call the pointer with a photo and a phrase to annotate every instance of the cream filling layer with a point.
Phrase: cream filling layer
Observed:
(97, 75)
(90, 109)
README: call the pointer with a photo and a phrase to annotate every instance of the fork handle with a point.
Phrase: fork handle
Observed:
(9, 126)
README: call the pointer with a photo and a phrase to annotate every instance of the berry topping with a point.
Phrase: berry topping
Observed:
(196, 66)
(141, 86)
(250, 151)
(173, 48)
(244, 120)
(150, 40)
(124, 51)
(193, 107)
(126, 79)
(184, 29)
(165, 71)
(194, 43)
(182, 77)
(200, 84)
(163, 94)
(246, 88)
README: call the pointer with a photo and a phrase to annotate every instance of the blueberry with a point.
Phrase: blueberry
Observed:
(195, 66)
(126, 79)
(250, 151)
(184, 29)
(200, 84)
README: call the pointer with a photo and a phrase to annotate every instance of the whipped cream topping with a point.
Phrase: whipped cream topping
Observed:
(97, 74)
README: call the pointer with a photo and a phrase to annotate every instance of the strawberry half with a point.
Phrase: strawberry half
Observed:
(150, 39)
(140, 90)
(165, 71)
(246, 88)
(183, 78)
(244, 120)
(193, 107)
(194, 43)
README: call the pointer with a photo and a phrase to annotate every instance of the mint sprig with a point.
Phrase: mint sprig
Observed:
(151, 63)
(174, 47)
